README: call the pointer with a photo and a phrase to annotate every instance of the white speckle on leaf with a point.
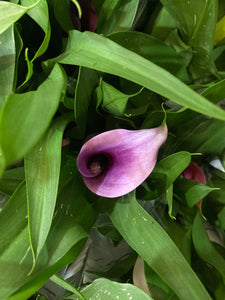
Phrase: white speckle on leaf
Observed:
(144, 219)
(195, 19)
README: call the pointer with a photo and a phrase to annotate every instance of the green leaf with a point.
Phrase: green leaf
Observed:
(19, 48)
(205, 248)
(105, 13)
(16, 225)
(60, 249)
(10, 13)
(169, 200)
(62, 14)
(116, 15)
(158, 288)
(91, 50)
(169, 168)
(31, 286)
(221, 219)
(153, 244)
(207, 137)
(180, 235)
(152, 49)
(215, 92)
(2, 162)
(42, 168)
(25, 117)
(191, 191)
(163, 25)
(102, 289)
(196, 21)
(64, 284)
(86, 82)
(7, 63)
(10, 180)
(220, 291)
(39, 13)
(113, 100)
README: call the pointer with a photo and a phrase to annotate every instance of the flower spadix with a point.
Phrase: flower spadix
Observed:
(115, 162)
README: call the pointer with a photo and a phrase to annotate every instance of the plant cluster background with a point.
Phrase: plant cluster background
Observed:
(73, 70)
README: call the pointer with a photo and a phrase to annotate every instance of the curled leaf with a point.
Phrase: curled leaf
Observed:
(194, 172)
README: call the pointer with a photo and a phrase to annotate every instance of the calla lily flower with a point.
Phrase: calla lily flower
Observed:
(194, 172)
(115, 162)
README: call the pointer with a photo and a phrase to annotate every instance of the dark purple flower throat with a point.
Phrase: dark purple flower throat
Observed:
(98, 163)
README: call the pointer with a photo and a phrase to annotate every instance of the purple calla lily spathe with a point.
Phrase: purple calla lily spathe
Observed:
(115, 162)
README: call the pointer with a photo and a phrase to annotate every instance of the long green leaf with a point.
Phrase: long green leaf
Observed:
(116, 16)
(205, 248)
(86, 82)
(152, 49)
(153, 244)
(60, 249)
(7, 63)
(39, 13)
(10, 13)
(67, 286)
(25, 117)
(105, 13)
(42, 168)
(97, 52)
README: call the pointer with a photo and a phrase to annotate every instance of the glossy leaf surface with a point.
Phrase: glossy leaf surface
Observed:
(90, 50)
(149, 240)
(10, 13)
(7, 63)
(42, 168)
(15, 252)
(103, 288)
(25, 113)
